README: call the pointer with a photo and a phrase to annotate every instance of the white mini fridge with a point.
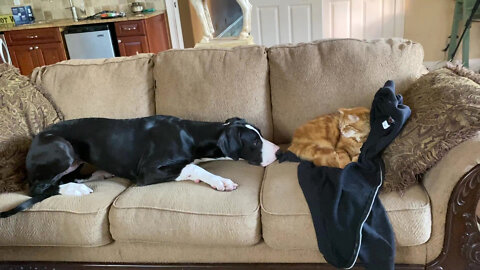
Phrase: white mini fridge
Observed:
(89, 42)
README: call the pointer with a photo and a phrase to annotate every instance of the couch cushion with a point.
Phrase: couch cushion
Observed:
(287, 223)
(190, 213)
(214, 85)
(61, 220)
(317, 78)
(119, 87)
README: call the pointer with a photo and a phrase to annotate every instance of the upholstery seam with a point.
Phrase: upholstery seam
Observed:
(186, 212)
(211, 49)
(371, 41)
(143, 57)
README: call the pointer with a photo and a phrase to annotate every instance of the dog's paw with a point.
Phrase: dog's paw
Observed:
(223, 184)
(74, 189)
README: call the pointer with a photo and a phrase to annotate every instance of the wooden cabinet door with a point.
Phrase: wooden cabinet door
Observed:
(129, 46)
(25, 57)
(52, 53)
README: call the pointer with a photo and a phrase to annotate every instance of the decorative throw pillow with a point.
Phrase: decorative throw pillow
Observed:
(24, 112)
(445, 112)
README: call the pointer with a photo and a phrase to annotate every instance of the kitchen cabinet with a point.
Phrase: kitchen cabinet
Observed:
(35, 47)
(24, 57)
(132, 45)
(142, 36)
(51, 53)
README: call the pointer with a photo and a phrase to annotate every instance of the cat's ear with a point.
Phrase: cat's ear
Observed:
(353, 118)
(341, 111)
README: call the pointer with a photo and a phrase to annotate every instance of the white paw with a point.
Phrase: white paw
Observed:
(222, 184)
(74, 189)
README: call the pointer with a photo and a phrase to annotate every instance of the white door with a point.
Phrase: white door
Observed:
(286, 21)
(363, 19)
(174, 25)
(292, 21)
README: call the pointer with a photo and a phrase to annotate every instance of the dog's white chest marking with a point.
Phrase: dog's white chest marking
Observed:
(74, 189)
(196, 173)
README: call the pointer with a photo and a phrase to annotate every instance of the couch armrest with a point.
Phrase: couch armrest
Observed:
(454, 188)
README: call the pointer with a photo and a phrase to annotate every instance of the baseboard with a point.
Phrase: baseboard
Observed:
(225, 33)
(432, 65)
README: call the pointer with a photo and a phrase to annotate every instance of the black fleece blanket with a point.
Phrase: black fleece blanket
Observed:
(349, 219)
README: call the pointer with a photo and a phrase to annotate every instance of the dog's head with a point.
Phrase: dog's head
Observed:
(241, 140)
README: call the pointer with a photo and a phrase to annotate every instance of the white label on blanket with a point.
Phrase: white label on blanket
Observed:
(385, 124)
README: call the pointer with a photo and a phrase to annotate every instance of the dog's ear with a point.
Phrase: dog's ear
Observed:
(235, 121)
(230, 143)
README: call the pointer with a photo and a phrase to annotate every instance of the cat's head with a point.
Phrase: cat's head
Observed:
(355, 123)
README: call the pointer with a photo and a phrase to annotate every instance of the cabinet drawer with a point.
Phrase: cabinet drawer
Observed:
(130, 28)
(33, 36)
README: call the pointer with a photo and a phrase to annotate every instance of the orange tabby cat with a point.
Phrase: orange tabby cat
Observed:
(332, 140)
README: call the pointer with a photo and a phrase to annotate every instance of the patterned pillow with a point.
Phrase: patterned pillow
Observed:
(24, 111)
(445, 112)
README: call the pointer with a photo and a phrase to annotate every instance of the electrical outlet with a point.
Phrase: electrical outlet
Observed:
(16, 2)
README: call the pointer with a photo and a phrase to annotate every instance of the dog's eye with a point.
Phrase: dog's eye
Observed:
(256, 142)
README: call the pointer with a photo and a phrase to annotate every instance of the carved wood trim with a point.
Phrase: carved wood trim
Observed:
(461, 246)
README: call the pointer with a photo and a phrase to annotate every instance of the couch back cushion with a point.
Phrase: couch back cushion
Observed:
(214, 85)
(114, 88)
(311, 79)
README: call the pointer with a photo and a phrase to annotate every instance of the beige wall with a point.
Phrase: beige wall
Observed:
(56, 9)
(429, 22)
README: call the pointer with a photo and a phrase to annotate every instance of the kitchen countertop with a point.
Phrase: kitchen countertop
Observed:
(70, 22)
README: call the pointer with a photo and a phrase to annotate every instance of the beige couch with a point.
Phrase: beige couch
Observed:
(267, 219)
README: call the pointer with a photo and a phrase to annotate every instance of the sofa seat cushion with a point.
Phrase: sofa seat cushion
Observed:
(287, 222)
(62, 220)
(190, 213)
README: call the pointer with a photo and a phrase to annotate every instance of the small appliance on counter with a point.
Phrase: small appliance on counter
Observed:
(105, 14)
(23, 15)
(136, 7)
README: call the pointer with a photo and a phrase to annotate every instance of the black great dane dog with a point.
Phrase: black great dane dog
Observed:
(146, 151)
